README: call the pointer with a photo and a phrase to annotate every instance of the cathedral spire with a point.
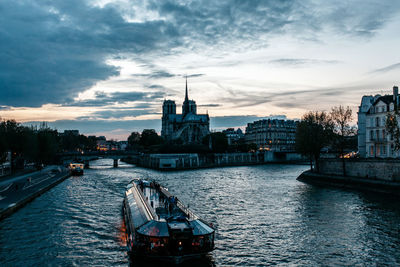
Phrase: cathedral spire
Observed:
(186, 92)
(186, 105)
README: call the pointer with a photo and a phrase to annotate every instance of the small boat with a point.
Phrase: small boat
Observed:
(159, 226)
(76, 168)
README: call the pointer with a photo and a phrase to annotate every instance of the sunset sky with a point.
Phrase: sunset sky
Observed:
(104, 67)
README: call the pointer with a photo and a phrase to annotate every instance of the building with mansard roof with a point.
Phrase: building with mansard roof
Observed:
(272, 135)
(186, 128)
(373, 139)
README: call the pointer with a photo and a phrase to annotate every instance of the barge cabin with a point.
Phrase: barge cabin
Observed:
(160, 227)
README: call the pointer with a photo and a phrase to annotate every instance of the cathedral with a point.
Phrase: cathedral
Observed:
(188, 127)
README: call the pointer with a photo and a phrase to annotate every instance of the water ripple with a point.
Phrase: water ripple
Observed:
(262, 214)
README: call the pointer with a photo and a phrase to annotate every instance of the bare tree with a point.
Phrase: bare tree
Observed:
(342, 117)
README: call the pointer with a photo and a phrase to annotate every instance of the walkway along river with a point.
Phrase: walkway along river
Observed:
(262, 215)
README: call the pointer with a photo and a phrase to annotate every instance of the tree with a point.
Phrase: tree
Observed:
(217, 142)
(149, 137)
(29, 140)
(241, 146)
(313, 133)
(13, 140)
(133, 140)
(392, 127)
(341, 118)
(48, 144)
(91, 143)
(3, 142)
(70, 141)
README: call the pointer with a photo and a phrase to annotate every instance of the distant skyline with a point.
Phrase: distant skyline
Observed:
(104, 67)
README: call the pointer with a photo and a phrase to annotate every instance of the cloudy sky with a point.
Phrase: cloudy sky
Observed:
(104, 67)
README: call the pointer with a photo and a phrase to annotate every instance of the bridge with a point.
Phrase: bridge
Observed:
(86, 157)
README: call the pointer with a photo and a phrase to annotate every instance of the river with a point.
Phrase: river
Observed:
(263, 216)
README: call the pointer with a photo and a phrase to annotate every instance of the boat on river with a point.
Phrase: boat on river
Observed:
(76, 168)
(159, 226)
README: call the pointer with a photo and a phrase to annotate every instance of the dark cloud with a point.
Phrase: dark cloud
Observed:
(356, 18)
(159, 74)
(209, 105)
(295, 62)
(157, 86)
(304, 99)
(155, 75)
(387, 68)
(4, 108)
(103, 99)
(120, 114)
(195, 75)
(52, 50)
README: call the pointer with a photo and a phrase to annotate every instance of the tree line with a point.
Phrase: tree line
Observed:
(320, 129)
(150, 141)
(38, 145)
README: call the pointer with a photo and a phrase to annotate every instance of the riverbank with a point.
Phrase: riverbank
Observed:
(20, 190)
(351, 182)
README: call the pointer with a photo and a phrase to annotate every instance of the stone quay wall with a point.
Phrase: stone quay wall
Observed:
(379, 169)
(193, 161)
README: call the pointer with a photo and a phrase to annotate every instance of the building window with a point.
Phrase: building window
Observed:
(377, 121)
(371, 151)
(371, 135)
(383, 150)
(383, 134)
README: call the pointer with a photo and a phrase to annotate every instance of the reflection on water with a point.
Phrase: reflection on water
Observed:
(262, 214)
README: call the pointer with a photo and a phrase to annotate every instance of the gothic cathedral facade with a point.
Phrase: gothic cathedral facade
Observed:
(186, 128)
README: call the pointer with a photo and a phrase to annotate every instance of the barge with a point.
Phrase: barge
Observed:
(160, 227)
(76, 168)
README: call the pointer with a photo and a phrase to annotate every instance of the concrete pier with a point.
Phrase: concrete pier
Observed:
(351, 182)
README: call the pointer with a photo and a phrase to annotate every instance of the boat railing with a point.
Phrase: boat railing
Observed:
(180, 205)
(186, 210)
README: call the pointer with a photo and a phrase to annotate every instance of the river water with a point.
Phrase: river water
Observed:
(262, 214)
